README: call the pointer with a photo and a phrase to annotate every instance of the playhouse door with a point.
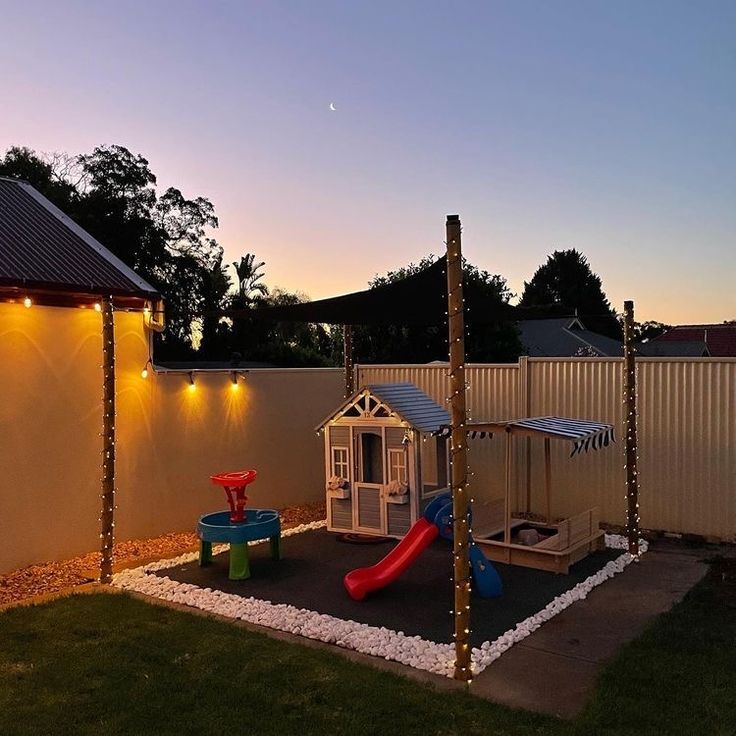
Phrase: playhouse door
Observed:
(368, 506)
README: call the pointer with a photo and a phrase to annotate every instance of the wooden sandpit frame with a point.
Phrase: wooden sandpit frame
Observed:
(565, 541)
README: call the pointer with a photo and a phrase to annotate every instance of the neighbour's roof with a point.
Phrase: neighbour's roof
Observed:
(564, 338)
(673, 349)
(42, 248)
(720, 339)
(405, 400)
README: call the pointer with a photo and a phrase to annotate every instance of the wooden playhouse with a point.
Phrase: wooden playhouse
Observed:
(385, 458)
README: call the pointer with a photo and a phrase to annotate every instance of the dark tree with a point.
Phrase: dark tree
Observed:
(216, 339)
(398, 344)
(289, 344)
(23, 163)
(566, 279)
(644, 331)
(249, 275)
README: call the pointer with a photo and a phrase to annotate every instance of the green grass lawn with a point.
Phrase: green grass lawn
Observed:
(111, 664)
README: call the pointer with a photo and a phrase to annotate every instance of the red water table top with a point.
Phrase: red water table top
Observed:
(235, 478)
(234, 484)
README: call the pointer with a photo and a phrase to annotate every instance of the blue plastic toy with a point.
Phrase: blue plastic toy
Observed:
(257, 524)
(485, 577)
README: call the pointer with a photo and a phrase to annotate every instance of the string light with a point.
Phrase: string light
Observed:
(107, 495)
(630, 400)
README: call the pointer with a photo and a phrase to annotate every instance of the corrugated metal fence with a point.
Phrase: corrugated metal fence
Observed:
(687, 430)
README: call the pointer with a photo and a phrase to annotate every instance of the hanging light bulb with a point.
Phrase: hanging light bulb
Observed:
(234, 381)
(192, 385)
(144, 372)
(27, 303)
(98, 307)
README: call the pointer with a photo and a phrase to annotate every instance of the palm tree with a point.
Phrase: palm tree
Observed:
(249, 277)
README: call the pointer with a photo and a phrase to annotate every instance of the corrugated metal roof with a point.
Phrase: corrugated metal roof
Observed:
(40, 247)
(720, 338)
(411, 404)
(673, 348)
(563, 338)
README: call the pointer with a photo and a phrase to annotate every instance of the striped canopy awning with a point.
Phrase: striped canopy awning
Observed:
(585, 435)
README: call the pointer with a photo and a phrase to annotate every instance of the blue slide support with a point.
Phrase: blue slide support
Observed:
(485, 576)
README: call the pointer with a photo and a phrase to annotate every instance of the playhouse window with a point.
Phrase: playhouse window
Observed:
(397, 466)
(340, 462)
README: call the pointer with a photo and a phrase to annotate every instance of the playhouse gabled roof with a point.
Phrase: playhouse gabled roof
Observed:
(409, 403)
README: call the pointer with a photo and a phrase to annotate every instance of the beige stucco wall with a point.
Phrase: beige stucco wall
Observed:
(169, 439)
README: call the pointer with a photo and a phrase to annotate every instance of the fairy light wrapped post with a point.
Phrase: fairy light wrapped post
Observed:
(458, 449)
(347, 343)
(632, 479)
(108, 440)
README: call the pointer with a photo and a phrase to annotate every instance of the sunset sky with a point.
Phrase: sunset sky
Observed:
(604, 126)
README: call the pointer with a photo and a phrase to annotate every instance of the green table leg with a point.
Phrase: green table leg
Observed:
(205, 553)
(275, 546)
(239, 567)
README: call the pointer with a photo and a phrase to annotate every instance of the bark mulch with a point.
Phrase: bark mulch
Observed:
(51, 577)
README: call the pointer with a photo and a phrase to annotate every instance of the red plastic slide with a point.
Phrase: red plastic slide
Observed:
(362, 581)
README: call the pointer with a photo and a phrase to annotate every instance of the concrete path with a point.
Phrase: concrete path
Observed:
(555, 669)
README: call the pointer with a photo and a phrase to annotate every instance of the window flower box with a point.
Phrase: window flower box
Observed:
(338, 487)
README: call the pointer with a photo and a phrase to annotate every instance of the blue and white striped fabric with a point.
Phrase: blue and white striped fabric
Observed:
(584, 435)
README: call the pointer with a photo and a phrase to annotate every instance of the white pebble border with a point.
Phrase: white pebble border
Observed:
(376, 641)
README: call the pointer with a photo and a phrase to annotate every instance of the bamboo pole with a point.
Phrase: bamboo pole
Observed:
(348, 363)
(632, 478)
(458, 449)
(108, 440)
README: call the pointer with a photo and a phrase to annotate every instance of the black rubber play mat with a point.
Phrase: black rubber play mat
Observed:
(314, 563)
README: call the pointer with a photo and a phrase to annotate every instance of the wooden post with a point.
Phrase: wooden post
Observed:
(507, 494)
(548, 479)
(458, 449)
(108, 440)
(347, 353)
(632, 479)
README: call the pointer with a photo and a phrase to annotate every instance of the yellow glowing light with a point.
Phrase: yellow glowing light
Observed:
(144, 373)
(192, 387)
(234, 386)
(27, 302)
(98, 307)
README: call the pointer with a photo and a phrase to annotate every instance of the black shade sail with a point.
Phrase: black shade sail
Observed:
(420, 299)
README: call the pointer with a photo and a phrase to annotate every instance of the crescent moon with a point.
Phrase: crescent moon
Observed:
(332, 107)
